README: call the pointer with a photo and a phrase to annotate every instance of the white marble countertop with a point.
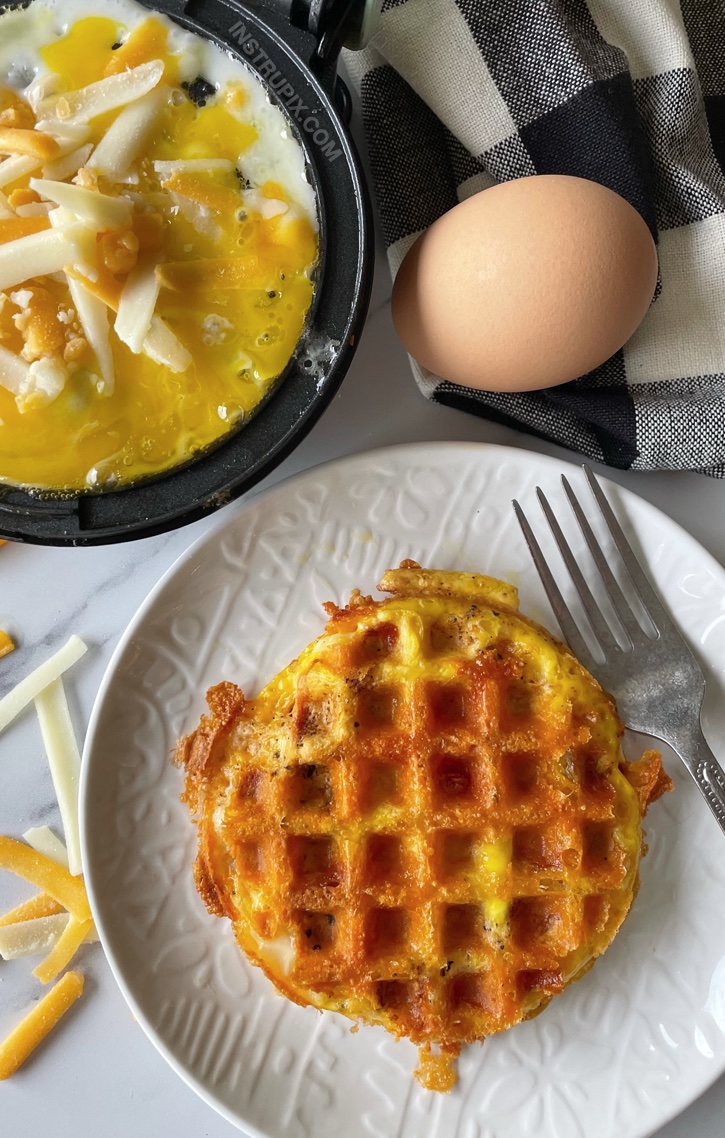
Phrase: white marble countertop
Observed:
(99, 1075)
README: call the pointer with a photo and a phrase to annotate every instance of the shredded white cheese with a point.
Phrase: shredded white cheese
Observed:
(198, 215)
(38, 255)
(125, 138)
(100, 210)
(69, 165)
(162, 346)
(42, 839)
(93, 316)
(31, 938)
(193, 166)
(34, 209)
(31, 687)
(17, 167)
(105, 95)
(5, 209)
(137, 304)
(68, 137)
(64, 761)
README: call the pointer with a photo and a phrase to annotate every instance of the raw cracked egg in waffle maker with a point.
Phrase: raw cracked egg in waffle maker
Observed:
(184, 260)
(426, 820)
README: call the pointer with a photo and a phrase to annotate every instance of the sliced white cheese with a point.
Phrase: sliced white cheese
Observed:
(100, 210)
(105, 95)
(13, 371)
(125, 138)
(69, 165)
(163, 347)
(192, 166)
(42, 839)
(31, 687)
(38, 255)
(31, 938)
(137, 304)
(93, 315)
(16, 167)
(64, 761)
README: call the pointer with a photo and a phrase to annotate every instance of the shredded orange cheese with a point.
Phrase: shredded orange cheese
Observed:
(38, 1023)
(39, 906)
(47, 875)
(7, 644)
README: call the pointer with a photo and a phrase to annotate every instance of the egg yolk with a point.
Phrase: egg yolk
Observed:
(235, 265)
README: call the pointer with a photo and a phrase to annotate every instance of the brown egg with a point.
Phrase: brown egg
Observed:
(525, 285)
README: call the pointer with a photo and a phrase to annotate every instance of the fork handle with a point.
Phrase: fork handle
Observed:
(707, 773)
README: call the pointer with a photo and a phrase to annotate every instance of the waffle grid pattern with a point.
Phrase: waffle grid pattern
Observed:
(436, 833)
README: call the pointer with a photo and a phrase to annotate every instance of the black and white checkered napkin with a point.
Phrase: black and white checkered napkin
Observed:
(460, 94)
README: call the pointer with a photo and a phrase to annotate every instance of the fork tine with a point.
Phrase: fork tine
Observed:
(600, 627)
(568, 626)
(621, 605)
(644, 590)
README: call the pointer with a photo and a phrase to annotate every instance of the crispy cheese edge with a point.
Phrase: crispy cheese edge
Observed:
(199, 753)
(411, 580)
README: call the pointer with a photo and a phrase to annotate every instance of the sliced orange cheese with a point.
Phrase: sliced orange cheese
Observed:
(39, 906)
(45, 874)
(64, 950)
(36, 144)
(38, 1023)
(7, 645)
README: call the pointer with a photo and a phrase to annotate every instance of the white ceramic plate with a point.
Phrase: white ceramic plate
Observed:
(616, 1055)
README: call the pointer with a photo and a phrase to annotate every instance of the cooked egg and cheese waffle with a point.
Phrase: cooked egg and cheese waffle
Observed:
(426, 820)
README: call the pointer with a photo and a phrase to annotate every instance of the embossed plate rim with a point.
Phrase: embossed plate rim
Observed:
(335, 469)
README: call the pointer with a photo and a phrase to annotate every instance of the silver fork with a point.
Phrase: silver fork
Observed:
(655, 679)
